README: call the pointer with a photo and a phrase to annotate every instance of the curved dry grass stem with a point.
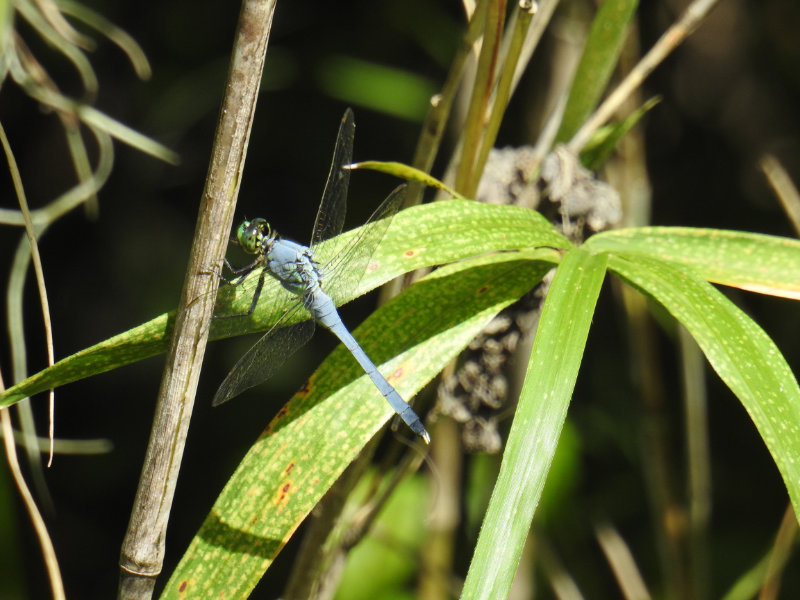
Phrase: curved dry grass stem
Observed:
(50, 560)
(621, 560)
(38, 270)
(118, 36)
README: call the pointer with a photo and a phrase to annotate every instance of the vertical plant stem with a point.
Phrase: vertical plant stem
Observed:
(698, 455)
(779, 555)
(544, 12)
(29, 249)
(481, 90)
(440, 547)
(144, 546)
(520, 30)
(430, 137)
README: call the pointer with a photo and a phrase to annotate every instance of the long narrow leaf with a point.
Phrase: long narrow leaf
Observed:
(552, 371)
(605, 141)
(397, 169)
(418, 237)
(744, 357)
(324, 427)
(751, 261)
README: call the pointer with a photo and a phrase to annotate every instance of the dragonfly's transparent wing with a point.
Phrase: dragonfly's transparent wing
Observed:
(332, 208)
(345, 270)
(266, 355)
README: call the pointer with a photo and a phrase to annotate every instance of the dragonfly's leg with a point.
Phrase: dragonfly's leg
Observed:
(256, 296)
(241, 273)
(214, 270)
(257, 292)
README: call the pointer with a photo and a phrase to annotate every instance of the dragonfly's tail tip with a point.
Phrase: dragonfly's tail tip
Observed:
(420, 430)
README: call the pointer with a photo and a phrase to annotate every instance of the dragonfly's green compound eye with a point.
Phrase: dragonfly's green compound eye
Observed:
(252, 235)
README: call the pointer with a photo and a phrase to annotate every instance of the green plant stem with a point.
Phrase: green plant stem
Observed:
(493, 17)
(433, 128)
(441, 541)
(698, 455)
(521, 25)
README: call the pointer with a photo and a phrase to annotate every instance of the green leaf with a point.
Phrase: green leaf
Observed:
(606, 36)
(325, 425)
(744, 357)
(606, 139)
(403, 171)
(750, 261)
(552, 371)
(421, 236)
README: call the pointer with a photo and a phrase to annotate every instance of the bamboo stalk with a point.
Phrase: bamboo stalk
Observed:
(143, 550)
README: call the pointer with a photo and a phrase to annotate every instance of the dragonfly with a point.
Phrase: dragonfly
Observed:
(298, 271)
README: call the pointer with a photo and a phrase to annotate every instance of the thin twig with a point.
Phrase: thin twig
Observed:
(783, 187)
(144, 546)
(622, 563)
(779, 555)
(544, 12)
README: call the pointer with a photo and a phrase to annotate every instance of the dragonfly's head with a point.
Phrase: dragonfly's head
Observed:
(254, 236)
